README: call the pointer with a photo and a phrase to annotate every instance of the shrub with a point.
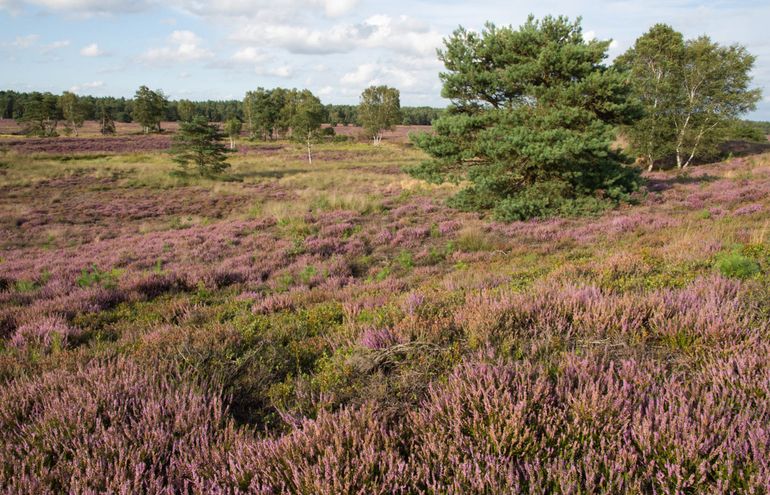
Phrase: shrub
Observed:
(736, 265)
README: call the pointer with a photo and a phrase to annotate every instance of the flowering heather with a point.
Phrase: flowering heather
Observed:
(44, 333)
(340, 330)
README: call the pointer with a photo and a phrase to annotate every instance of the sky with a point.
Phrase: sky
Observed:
(220, 49)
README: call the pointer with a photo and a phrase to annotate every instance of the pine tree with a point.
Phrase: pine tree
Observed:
(200, 143)
(531, 123)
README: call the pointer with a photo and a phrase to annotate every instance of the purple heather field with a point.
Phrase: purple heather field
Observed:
(337, 329)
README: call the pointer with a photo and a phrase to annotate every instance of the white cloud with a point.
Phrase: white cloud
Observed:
(287, 9)
(401, 33)
(183, 46)
(249, 55)
(86, 86)
(9, 5)
(374, 74)
(92, 50)
(283, 71)
(336, 8)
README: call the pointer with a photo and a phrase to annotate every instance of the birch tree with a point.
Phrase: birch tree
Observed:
(714, 90)
(690, 92)
(653, 64)
(303, 112)
(73, 112)
(379, 110)
(233, 130)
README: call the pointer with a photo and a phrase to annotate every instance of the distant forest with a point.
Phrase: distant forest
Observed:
(12, 105)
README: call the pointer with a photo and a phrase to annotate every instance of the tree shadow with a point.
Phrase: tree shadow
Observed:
(656, 184)
(270, 174)
(743, 148)
(725, 151)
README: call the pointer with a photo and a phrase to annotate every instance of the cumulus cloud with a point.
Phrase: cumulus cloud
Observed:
(92, 50)
(249, 54)
(182, 46)
(283, 71)
(374, 74)
(401, 33)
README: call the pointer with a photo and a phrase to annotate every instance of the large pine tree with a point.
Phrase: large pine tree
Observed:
(531, 123)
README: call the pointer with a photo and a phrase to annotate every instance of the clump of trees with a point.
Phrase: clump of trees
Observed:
(199, 143)
(106, 120)
(379, 110)
(691, 91)
(303, 113)
(263, 113)
(13, 105)
(73, 112)
(41, 116)
(531, 123)
(149, 108)
(284, 113)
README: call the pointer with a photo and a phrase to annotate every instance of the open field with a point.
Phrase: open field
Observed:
(336, 328)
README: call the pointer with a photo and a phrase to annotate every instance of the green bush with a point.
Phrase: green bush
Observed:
(736, 265)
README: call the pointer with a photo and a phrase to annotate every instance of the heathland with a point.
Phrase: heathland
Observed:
(336, 328)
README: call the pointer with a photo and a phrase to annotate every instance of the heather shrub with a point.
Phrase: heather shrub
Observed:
(110, 426)
(353, 451)
(591, 425)
(44, 334)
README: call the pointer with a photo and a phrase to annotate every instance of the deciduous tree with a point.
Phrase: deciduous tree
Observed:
(186, 110)
(149, 108)
(691, 92)
(41, 115)
(303, 112)
(73, 111)
(379, 110)
(106, 120)
(653, 64)
(233, 130)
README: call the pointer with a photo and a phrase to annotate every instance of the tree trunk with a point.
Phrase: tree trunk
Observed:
(309, 155)
(232, 143)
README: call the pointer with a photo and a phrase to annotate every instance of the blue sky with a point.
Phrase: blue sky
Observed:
(219, 50)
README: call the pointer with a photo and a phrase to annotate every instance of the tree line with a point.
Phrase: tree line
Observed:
(48, 111)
